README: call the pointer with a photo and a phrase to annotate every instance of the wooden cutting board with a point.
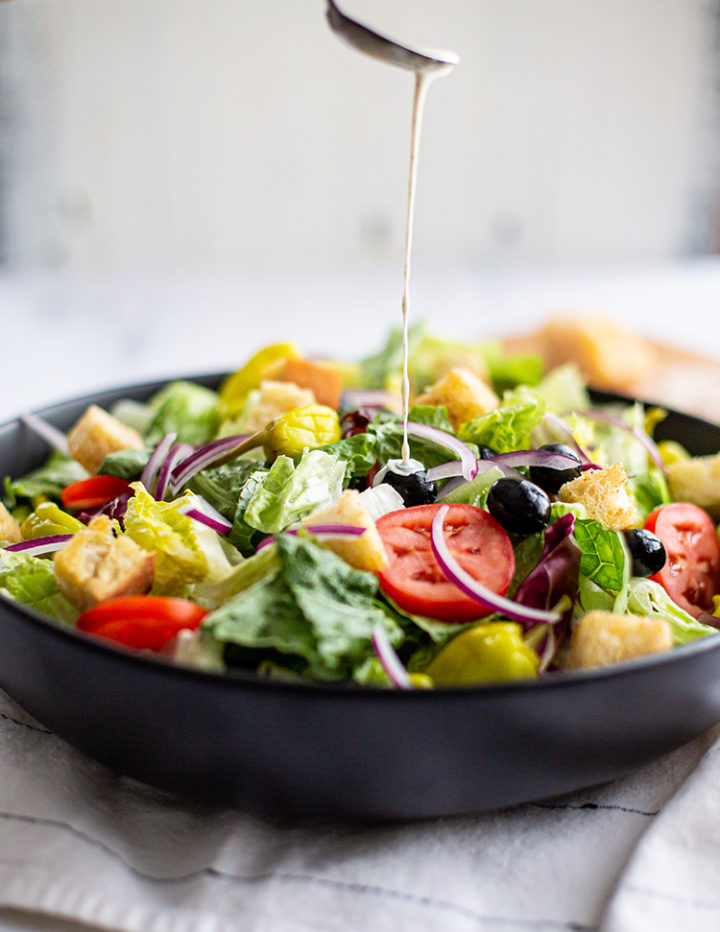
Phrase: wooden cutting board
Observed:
(680, 379)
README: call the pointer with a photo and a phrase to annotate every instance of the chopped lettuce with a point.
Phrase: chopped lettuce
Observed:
(507, 370)
(31, 580)
(563, 389)
(475, 492)
(125, 464)
(188, 551)
(508, 427)
(645, 597)
(187, 409)
(315, 606)
(48, 480)
(289, 492)
(603, 554)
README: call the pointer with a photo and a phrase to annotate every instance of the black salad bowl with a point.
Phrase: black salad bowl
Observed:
(317, 751)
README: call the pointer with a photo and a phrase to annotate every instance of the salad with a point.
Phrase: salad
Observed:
(274, 524)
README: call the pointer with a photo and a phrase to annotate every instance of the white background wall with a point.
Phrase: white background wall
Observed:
(176, 133)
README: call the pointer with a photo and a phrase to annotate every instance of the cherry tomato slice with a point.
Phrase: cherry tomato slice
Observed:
(145, 622)
(690, 575)
(413, 579)
(93, 492)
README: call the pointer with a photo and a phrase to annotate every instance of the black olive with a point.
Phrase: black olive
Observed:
(647, 551)
(552, 479)
(518, 505)
(486, 453)
(414, 487)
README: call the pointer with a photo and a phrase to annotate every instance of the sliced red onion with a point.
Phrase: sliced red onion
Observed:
(56, 438)
(546, 458)
(201, 510)
(390, 661)
(474, 589)
(562, 434)
(203, 457)
(39, 545)
(327, 530)
(443, 439)
(177, 453)
(157, 458)
(454, 468)
(639, 435)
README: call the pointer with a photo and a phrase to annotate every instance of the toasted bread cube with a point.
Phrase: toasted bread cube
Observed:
(604, 495)
(607, 355)
(463, 393)
(364, 553)
(96, 565)
(697, 480)
(9, 528)
(276, 399)
(600, 638)
(325, 381)
(96, 435)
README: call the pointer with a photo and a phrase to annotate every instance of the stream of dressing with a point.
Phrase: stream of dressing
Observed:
(423, 79)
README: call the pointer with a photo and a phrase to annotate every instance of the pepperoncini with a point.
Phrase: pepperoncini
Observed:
(49, 519)
(236, 387)
(308, 427)
(486, 653)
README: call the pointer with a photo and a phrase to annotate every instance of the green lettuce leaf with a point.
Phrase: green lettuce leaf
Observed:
(31, 580)
(188, 551)
(563, 389)
(507, 370)
(315, 606)
(649, 598)
(187, 409)
(603, 555)
(125, 464)
(476, 491)
(508, 427)
(49, 480)
(289, 492)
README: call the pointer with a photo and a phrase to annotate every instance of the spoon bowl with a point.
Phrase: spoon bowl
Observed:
(385, 49)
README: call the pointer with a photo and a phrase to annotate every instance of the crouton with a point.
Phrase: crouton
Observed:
(9, 528)
(464, 395)
(604, 495)
(95, 565)
(276, 399)
(607, 355)
(324, 380)
(366, 552)
(697, 480)
(96, 435)
(601, 638)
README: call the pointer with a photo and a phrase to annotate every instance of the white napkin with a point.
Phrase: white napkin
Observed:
(78, 842)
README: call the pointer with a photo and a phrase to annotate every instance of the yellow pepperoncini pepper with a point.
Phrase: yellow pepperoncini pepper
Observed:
(485, 653)
(49, 519)
(303, 428)
(236, 387)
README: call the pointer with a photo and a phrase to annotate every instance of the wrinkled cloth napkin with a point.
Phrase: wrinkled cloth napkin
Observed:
(79, 843)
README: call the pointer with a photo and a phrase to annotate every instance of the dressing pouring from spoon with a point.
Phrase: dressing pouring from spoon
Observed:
(426, 65)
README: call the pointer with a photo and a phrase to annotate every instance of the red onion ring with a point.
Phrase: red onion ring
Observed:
(390, 661)
(39, 545)
(469, 465)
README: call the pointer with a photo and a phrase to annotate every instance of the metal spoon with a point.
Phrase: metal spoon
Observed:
(384, 49)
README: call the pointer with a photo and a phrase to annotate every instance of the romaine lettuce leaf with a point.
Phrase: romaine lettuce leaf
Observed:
(645, 597)
(603, 555)
(50, 479)
(188, 551)
(187, 409)
(315, 606)
(125, 464)
(31, 580)
(508, 427)
(289, 492)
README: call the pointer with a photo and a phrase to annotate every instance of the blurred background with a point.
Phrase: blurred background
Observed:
(165, 160)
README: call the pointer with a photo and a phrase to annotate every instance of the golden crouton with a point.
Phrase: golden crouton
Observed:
(323, 379)
(96, 565)
(96, 435)
(9, 528)
(603, 493)
(600, 638)
(607, 355)
(276, 399)
(697, 480)
(364, 553)
(464, 395)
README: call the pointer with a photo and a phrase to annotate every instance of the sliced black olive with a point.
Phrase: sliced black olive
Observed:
(647, 551)
(552, 479)
(486, 453)
(518, 505)
(414, 487)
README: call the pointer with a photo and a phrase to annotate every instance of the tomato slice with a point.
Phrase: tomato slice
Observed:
(690, 575)
(413, 579)
(145, 622)
(93, 492)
